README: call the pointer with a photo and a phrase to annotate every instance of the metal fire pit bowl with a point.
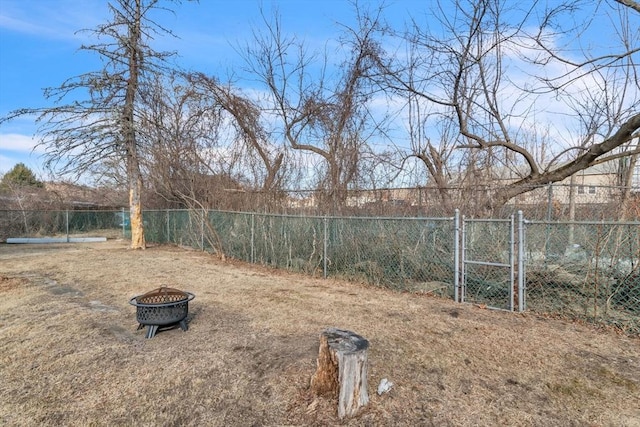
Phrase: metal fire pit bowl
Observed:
(162, 307)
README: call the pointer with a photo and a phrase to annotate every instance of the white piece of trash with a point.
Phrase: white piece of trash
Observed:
(384, 386)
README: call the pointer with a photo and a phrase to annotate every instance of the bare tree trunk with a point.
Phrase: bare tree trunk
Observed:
(627, 181)
(133, 164)
(135, 209)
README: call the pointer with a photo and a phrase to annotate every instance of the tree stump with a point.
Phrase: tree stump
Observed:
(342, 370)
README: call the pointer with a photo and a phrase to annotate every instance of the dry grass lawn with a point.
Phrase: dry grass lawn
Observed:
(70, 353)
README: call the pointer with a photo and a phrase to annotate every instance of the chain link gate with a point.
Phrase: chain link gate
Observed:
(492, 262)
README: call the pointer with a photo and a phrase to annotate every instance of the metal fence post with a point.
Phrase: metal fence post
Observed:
(512, 261)
(550, 202)
(521, 267)
(67, 223)
(202, 232)
(463, 237)
(124, 228)
(253, 231)
(324, 248)
(168, 228)
(456, 255)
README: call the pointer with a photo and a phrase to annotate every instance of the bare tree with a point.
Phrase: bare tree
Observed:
(210, 144)
(97, 114)
(181, 129)
(246, 116)
(320, 114)
(475, 68)
(435, 156)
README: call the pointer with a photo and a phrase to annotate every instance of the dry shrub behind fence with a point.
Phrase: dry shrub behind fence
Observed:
(555, 202)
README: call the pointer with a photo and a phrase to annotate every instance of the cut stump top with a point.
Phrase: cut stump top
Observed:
(345, 342)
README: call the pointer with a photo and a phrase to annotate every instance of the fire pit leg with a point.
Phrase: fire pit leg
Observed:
(151, 331)
(183, 324)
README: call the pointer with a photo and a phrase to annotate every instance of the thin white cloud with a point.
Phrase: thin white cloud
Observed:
(18, 25)
(42, 20)
(19, 143)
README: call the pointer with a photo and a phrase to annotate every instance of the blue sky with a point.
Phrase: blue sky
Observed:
(39, 47)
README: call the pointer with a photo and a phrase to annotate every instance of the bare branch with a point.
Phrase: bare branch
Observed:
(631, 4)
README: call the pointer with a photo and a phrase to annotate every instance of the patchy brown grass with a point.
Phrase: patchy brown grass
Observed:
(70, 353)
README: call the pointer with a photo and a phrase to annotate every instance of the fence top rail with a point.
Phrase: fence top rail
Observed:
(383, 218)
(79, 211)
(393, 218)
(540, 222)
(505, 220)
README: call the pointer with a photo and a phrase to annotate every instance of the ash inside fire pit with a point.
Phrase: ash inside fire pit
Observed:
(162, 307)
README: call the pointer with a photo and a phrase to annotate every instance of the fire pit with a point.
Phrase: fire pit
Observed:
(162, 307)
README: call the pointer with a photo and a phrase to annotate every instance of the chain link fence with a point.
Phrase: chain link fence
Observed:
(585, 270)
(27, 223)
(412, 254)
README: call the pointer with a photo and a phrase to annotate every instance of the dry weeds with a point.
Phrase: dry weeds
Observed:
(70, 353)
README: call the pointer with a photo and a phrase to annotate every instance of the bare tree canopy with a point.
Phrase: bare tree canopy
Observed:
(489, 67)
(246, 117)
(95, 115)
(324, 115)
